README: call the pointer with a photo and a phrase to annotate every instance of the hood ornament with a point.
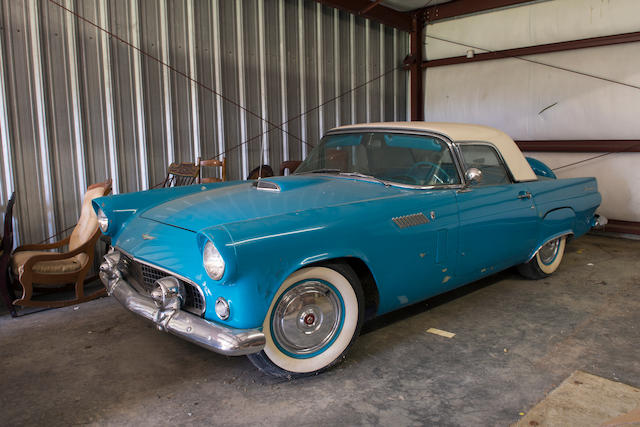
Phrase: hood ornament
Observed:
(147, 237)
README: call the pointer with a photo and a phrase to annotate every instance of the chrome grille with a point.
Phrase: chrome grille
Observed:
(145, 277)
(410, 220)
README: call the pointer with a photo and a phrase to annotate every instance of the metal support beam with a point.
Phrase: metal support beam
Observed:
(414, 63)
(582, 146)
(625, 227)
(379, 13)
(539, 49)
(465, 7)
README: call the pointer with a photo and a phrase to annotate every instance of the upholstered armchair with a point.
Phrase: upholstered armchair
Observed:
(36, 267)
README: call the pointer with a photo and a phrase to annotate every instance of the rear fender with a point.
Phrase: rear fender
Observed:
(556, 223)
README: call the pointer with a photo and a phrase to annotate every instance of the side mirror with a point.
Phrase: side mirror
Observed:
(473, 175)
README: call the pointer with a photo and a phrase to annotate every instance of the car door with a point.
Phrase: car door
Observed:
(498, 219)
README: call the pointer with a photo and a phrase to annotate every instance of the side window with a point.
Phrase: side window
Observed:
(485, 158)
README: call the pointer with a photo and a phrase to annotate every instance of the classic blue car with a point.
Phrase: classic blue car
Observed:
(379, 216)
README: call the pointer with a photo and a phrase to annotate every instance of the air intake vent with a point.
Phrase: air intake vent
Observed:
(263, 185)
(410, 220)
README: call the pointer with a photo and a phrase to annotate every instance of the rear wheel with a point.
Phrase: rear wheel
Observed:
(546, 260)
(314, 318)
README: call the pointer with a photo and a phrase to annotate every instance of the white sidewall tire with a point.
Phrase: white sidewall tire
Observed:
(550, 268)
(340, 343)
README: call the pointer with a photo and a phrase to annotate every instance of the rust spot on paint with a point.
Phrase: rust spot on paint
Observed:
(446, 279)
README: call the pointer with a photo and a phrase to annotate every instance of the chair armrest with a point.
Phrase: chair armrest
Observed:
(56, 256)
(40, 247)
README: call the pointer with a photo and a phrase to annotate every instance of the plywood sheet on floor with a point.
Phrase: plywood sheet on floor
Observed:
(586, 400)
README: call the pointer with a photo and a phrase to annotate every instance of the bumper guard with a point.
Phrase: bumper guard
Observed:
(169, 318)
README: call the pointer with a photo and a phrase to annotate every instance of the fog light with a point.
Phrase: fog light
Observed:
(222, 308)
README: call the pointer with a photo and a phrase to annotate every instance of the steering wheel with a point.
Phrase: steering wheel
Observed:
(434, 171)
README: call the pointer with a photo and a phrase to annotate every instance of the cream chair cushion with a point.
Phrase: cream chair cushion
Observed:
(61, 266)
(87, 225)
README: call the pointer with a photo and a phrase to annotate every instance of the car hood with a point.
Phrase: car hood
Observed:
(243, 201)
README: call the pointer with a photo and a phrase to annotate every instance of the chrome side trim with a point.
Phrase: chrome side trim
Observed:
(217, 338)
(555, 236)
(171, 273)
(412, 220)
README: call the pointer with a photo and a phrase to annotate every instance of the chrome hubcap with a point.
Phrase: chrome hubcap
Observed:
(549, 251)
(307, 317)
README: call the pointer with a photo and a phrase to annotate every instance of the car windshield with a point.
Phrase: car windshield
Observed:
(393, 157)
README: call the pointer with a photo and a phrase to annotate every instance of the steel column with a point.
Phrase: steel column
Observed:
(143, 176)
(415, 69)
(193, 74)
(282, 50)
(303, 77)
(263, 83)
(217, 64)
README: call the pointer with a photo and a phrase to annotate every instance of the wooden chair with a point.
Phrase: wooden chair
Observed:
(263, 171)
(212, 163)
(180, 174)
(290, 165)
(5, 258)
(37, 269)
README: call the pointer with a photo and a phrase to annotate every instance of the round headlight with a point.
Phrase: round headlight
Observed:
(212, 261)
(222, 308)
(103, 221)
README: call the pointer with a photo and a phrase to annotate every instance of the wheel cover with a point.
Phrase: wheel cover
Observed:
(307, 318)
(549, 252)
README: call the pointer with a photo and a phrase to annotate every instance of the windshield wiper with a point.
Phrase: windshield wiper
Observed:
(362, 175)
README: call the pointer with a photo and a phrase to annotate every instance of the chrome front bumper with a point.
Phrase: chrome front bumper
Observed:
(169, 318)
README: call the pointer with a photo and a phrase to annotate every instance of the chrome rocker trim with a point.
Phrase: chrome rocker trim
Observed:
(217, 338)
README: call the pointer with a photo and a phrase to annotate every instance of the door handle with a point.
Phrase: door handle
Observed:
(524, 195)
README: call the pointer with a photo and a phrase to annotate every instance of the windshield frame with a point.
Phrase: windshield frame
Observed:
(403, 131)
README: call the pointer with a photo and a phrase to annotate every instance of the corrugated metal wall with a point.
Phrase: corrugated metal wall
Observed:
(77, 106)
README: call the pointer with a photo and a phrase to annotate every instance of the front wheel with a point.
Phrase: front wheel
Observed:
(546, 260)
(314, 318)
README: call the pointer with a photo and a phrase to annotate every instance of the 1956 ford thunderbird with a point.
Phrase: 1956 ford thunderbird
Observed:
(379, 216)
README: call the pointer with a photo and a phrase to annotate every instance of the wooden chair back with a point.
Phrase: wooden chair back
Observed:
(263, 171)
(212, 163)
(290, 165)
(180, 174)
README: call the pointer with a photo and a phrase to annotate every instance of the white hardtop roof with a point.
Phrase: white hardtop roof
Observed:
(460, 132)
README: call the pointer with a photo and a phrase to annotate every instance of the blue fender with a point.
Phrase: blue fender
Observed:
(540, 168)
(556, 223)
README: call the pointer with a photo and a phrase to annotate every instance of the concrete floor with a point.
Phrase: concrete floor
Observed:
(515, 341)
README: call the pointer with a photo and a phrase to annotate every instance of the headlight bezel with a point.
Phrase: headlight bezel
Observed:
(103, 221)
(213, 261)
